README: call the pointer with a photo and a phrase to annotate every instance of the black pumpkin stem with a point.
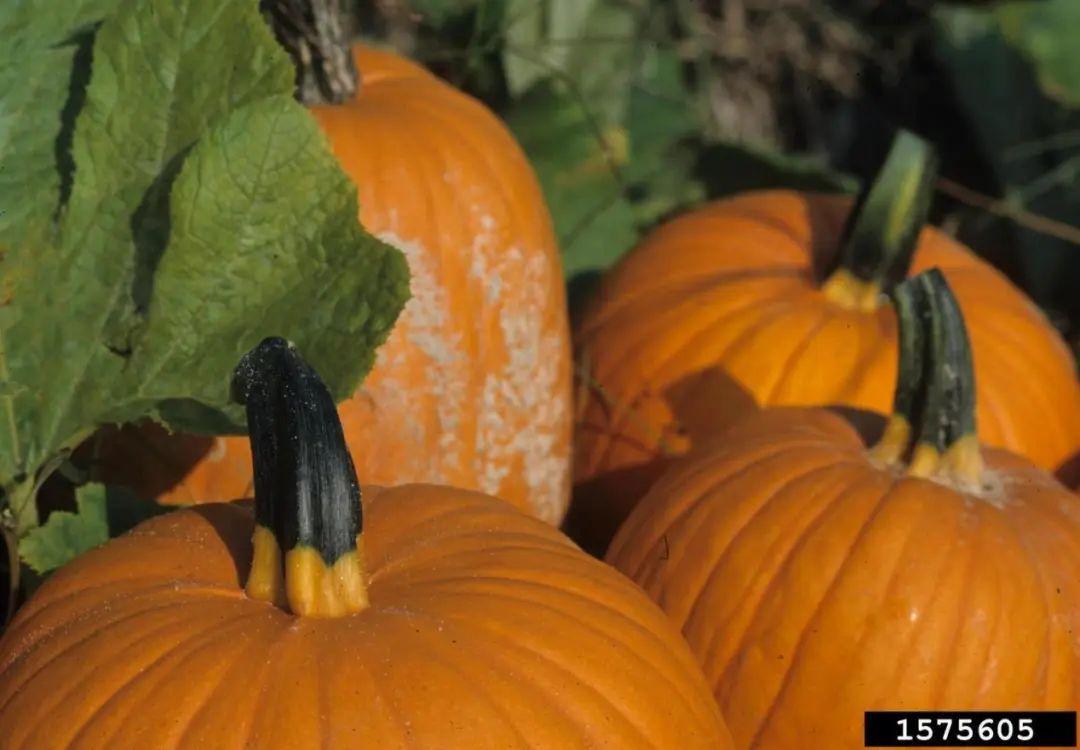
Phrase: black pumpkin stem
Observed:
(933, 422)
(316, 35)
(307, 498)
(949, 409)
(883, 228)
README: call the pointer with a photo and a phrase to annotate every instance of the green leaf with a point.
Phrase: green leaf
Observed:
(661, 112)
(146, 103)
(578, 167)
(591, 45)
(206, 212)
(44, 23)
(265, 239)
(530, 24)
(31, 98)
(664, 133)
(1045, 33)
(1018, 130)
(44, 50)
(101, 513)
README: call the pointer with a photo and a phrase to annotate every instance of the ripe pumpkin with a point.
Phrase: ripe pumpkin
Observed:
(778, 298)
(427, 617)
(473, 386)
(816, 579)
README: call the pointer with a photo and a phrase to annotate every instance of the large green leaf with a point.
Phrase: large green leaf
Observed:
(264, 240)
(31, 98)
(44, 51)
(205, 213)
(38, 24)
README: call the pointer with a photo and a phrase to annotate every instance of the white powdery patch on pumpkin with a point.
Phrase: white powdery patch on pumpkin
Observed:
(520, 415)
(424, 325)
(481, 269)
(521, 412)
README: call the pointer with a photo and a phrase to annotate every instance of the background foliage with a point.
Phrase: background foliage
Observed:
(633, 109)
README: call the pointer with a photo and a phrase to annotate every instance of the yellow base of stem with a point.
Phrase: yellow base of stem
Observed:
(851, 293)
(315, 589)
(305, 584)
(894, 442)
(962, 461)
(266, 579)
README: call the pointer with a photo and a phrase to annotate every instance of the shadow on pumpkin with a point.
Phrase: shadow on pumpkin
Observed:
(599, 505)
(1069, 472)
(869, 424)
(703, 405)
(147, 457)
(233, 523)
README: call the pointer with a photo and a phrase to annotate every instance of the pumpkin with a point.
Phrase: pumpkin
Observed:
(778, 298)
(473, 386)
(816, 579)
(427, 616)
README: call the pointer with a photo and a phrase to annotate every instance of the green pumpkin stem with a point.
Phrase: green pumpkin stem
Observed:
(315, 33)
(910, 388)
(308, 552)
(933, 422)
(949, 411)
(883, 228)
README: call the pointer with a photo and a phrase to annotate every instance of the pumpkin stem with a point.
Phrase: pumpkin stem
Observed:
(883, 228)
(315, 34)
(307, 499)
(908, 396)
(934, 405)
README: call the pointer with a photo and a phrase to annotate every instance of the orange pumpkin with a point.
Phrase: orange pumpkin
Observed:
(816, 579)
(473, 386)
(437, 617)
(753, 301)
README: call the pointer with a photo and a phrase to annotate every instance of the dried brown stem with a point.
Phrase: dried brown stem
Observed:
(316, 35)
(998, 207)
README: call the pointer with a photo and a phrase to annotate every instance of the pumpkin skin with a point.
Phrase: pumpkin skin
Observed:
(721, 311)
(486, 629)
(817, 578)
(333, 616)
(473, 386)
(813, 584)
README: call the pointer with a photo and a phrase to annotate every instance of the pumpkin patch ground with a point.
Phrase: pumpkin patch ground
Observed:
(573, 374)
